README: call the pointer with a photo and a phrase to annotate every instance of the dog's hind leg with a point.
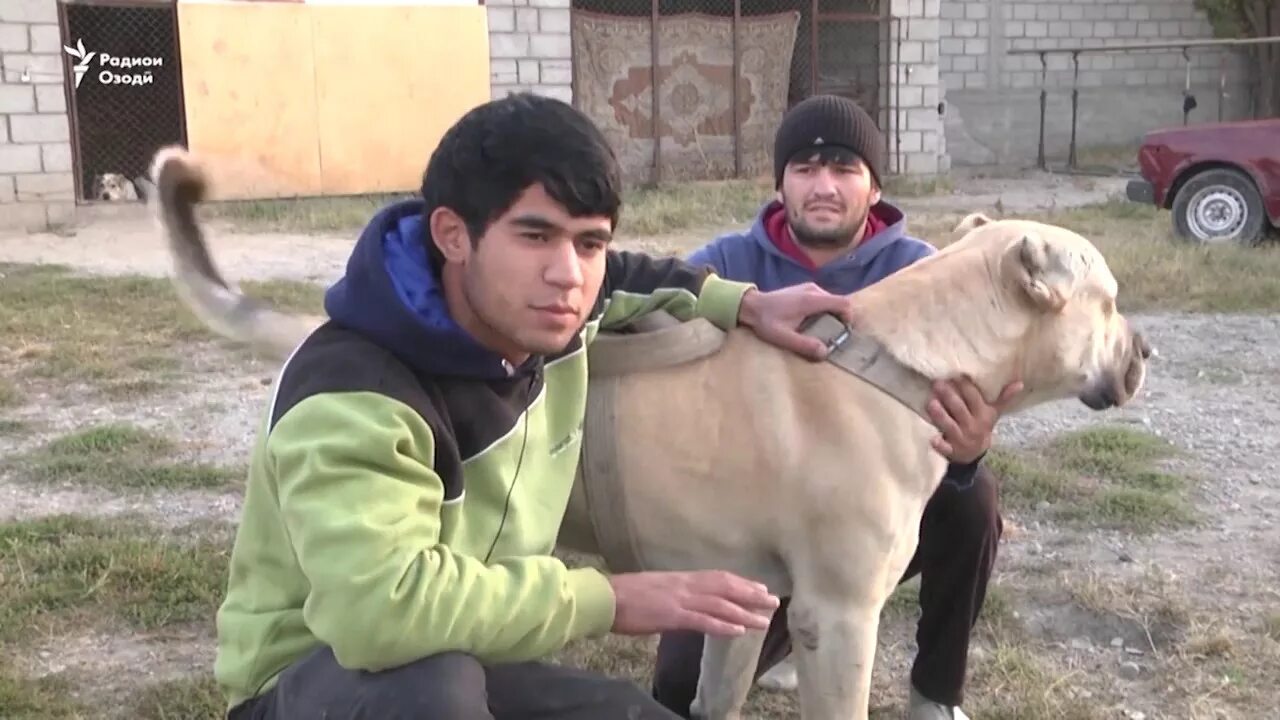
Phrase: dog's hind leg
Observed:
(728, 666)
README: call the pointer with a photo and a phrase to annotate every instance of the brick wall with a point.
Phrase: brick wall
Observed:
(923, 147)
(529, 47)
(993, 98)
(36, 185)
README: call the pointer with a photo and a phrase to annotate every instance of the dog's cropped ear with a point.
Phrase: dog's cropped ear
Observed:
(971, 221)
(1048, 274)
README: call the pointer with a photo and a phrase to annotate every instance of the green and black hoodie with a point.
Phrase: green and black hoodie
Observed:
(407, 487)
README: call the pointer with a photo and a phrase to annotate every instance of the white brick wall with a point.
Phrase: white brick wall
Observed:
(36, 184)
(920, 148)
(529, 47)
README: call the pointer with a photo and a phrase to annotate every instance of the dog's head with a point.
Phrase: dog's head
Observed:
(1075, 343)
(113, 187)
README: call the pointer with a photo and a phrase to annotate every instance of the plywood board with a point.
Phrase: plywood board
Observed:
(389, 81)
(249, 82)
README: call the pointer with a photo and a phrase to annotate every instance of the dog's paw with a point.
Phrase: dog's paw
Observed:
(780, 677)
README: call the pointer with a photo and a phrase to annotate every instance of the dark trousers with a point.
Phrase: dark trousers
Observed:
(449, 686)
(959, 533)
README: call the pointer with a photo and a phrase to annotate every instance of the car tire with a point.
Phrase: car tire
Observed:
(1219, 206)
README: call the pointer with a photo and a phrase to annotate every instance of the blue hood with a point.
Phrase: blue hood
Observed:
(391, 295)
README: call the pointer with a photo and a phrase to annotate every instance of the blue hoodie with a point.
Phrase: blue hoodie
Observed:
(754, 257)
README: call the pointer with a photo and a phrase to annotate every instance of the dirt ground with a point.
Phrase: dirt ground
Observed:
(1093, 600)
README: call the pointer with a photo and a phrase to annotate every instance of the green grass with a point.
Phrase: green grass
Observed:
(66, 571)
(120, 334)
(48, 698)
(1105, 476)
(121, 456)
(194, 697)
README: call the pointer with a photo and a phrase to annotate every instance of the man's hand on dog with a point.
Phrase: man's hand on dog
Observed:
(966, 419)
(713, 602)
(776, 316)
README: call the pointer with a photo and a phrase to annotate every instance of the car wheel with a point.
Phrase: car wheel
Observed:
(1219, 206)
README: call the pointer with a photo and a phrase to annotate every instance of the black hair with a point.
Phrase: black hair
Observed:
(498, 149)
(830, 155)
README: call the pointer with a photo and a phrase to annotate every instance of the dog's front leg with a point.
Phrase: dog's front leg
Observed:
(728, 666)
(834, 646)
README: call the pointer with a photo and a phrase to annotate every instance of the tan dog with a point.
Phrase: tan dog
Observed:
(798, 474)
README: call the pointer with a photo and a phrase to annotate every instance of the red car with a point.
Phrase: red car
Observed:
(1221, 180)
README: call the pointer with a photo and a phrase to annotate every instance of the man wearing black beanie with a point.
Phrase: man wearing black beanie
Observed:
(829, 225)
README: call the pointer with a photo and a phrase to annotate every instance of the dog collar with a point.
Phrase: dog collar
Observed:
(864, 357)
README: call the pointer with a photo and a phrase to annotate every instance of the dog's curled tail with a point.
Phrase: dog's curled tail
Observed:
(177, 184)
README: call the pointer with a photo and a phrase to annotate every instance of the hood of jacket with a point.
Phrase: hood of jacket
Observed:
(391, 294)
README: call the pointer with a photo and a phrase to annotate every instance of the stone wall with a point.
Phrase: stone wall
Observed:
(993, 98)
(36, 184)
(529, 47)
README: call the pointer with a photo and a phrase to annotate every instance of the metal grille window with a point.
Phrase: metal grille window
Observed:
(124, 79)
(695, 89)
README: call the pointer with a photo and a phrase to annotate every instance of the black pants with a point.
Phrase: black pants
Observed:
(959, 534)
(450, 686)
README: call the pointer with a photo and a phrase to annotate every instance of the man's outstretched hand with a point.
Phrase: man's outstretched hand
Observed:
(712, 602)
(776, 316)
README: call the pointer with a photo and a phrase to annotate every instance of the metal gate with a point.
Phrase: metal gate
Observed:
(123, 74)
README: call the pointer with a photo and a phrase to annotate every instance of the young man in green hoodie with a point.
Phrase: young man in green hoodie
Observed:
(414, 463)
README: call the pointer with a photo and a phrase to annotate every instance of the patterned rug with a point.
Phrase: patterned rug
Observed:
(614, 85)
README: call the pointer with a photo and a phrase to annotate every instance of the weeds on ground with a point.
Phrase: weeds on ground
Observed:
(66, 571)
(996, 690)
(194, 697)
(670, 207)
(121, 456)
(1106, 476)
(339, 214)
(1015, 683)
(1210, 662)
(13, 428)
(9, 394)
(36, 699)
(119, 334)
(1271, 626)
(1156, 271)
